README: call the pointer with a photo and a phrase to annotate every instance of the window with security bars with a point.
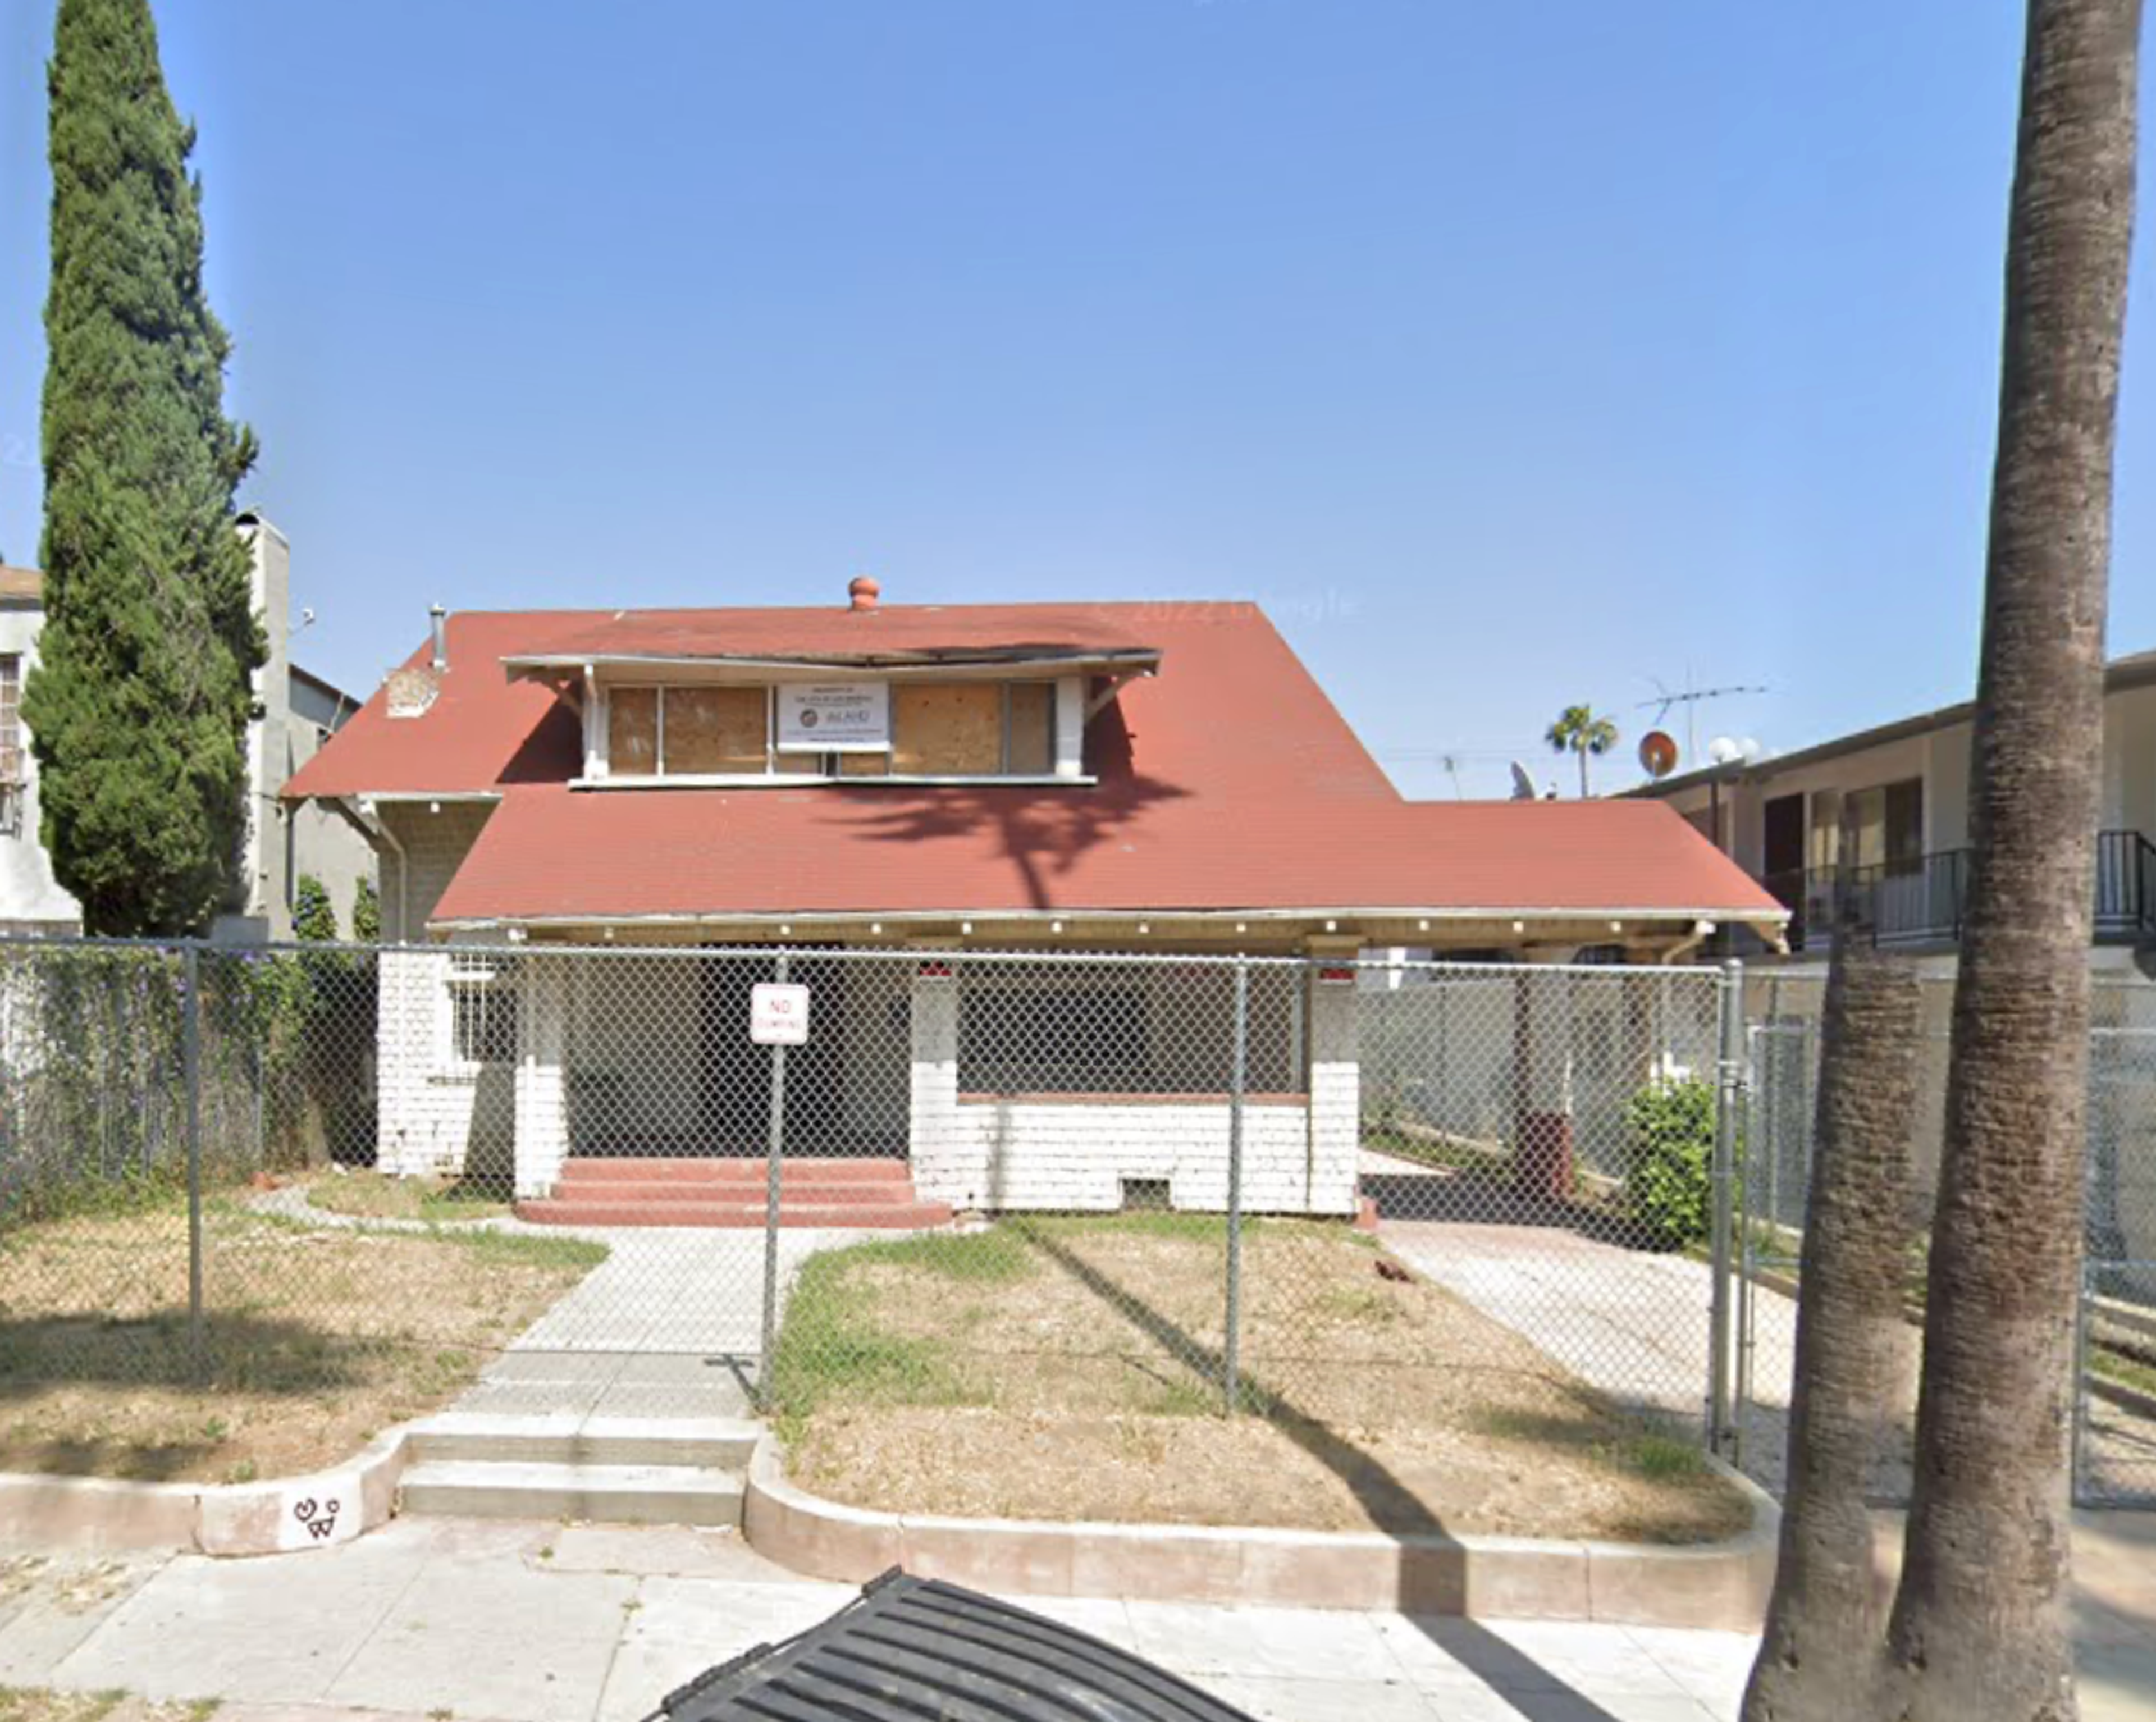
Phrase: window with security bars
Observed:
(11, 718)
(483, 1009)
(10, 743)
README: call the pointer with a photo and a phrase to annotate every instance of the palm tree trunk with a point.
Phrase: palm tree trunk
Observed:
(1820, 1659)
(1980, 1625)
(1582, 750)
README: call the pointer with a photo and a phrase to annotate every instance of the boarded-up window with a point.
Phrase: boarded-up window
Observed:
(715, 729)
(1032, 728)
(946, 728)
(633, 732)
(849, 765)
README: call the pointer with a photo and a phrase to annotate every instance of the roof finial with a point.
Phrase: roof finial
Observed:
(864, 591)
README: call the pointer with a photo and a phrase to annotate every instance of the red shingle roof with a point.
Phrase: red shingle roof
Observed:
(837, 634)
(1228, 782)
(559, 854)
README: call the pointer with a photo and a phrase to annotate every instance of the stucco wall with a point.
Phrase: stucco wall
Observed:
(29, 895)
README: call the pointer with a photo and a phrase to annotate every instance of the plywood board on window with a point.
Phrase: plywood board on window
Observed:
(1032, 727)
(947, 728)
(632, 730)
(715, 729)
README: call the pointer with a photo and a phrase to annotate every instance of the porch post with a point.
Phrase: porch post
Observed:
(1543, 1146)
(933, 1117)
(1336, 1076)
(542, 1087)
(411, 1006)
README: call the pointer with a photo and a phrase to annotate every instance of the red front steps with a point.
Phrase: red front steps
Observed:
(626, 1191)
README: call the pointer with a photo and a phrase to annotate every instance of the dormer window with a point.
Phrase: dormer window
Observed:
(923, 729)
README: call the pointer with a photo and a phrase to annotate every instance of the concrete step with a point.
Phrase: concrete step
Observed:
(572, 1439)
(638, 1169)
(822, 1191)
(604, 1494)
(893, 1215)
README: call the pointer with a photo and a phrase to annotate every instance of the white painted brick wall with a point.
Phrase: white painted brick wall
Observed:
(1074, 1154)
(542, 1089)
(430, 1110)
(425, 1116)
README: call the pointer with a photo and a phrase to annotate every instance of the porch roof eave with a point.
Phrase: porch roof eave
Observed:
(1650, 929)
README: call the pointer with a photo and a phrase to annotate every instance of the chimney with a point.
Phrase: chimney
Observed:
(440, 619)
(863, 592)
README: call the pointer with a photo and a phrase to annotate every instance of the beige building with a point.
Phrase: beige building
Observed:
(1780, 817)
(299, 712)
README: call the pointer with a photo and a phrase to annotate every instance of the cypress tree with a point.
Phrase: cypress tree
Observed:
(139, 708)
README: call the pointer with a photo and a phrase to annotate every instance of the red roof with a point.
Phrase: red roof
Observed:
(902, 630)
(559, 854)
(1227, 782)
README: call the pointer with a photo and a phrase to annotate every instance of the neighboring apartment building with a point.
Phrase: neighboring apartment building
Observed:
(1908, 782)
(30, 899)
(299, 712)
(1160, 777)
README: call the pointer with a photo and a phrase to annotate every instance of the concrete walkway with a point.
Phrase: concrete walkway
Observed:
(670, 1324)
(533, 1622)
(1635, 1324)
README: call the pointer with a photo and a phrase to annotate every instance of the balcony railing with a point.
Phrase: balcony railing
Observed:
(1921, 901)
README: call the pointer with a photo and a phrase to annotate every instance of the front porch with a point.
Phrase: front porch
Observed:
(594, 1081)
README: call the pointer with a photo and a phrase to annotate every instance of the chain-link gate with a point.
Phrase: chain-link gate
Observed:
(2114, 1437)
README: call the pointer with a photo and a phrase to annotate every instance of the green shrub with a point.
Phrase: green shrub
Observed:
(1670, 1124)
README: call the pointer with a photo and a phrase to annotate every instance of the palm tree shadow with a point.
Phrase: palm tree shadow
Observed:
(1429, 1584)
(1041, 833)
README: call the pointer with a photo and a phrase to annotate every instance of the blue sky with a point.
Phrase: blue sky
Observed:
(1513, 355)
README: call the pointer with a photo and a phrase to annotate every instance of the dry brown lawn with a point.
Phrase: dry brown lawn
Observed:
(315, 1337)
(1071, 1369)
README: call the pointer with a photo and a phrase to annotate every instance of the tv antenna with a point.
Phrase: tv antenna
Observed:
(1691, 698)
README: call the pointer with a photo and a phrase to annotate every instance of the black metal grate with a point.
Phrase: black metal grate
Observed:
(914, 1648)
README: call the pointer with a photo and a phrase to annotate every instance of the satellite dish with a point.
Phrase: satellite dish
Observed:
(1523, 784)
(1724, 751)
(1658, 753)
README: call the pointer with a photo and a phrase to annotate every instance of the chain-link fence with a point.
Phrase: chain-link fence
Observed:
(2115, 1430)
(1411, 1215)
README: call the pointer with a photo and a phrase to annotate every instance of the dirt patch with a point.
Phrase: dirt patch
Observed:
(374, 1195)
(314, 1338)
(1071, 1369)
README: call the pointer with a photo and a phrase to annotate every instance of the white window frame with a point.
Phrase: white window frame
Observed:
(476, 976)
(600, 772)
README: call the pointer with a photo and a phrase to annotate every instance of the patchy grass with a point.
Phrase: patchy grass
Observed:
(2123, 1368)
(1058, 1367)
(38, 1705)
(313, 1339)
(375, 1195)
(1432, 1149)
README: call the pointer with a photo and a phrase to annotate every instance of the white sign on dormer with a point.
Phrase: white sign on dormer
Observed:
(833, 716)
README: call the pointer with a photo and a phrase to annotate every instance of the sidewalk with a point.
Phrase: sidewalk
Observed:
(534, 1623)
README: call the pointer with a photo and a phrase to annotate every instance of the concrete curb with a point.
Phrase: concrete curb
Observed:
(278, 1517)
(1722, 1585)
